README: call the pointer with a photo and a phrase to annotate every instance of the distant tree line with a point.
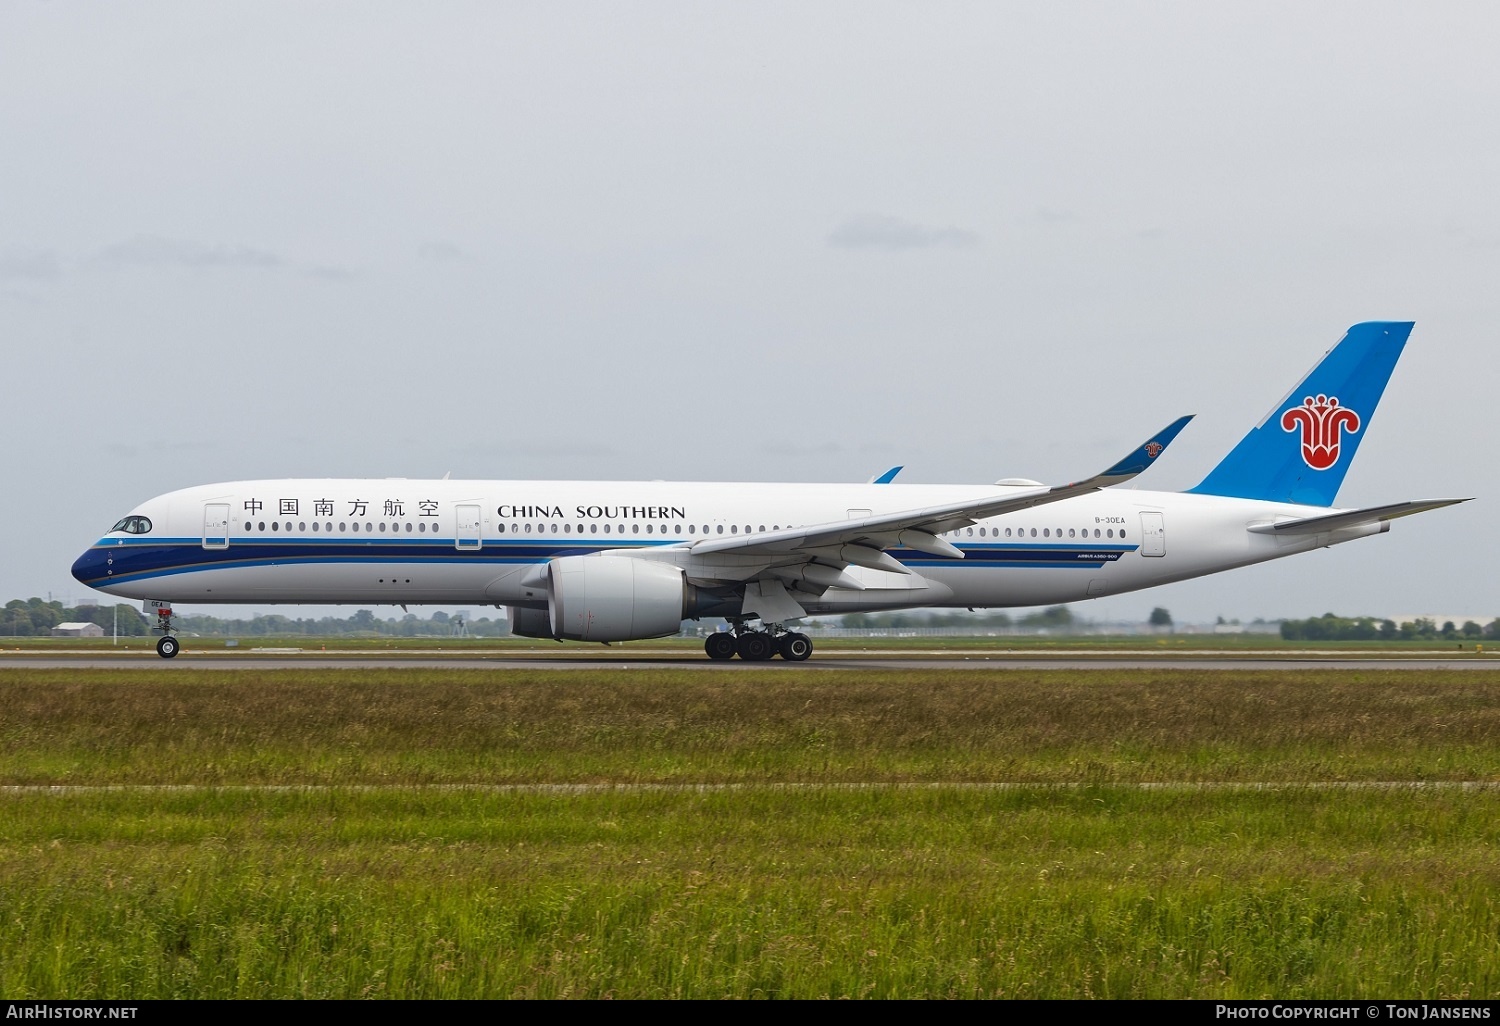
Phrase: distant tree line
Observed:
(1051, 617)
(1329, 627)
(31, 617)
(364, 623)
(24, 618)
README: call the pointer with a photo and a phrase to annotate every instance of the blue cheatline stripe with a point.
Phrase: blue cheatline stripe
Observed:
(143, 561)
(108, 563)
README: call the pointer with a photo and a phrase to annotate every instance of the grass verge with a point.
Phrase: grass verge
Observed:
(388, 879)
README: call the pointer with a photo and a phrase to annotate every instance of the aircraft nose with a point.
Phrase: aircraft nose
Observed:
(91, 567)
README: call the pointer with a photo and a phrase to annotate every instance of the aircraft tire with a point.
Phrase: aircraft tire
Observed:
(167, 646)
(795, 647)
(754, 646)
(719, 646)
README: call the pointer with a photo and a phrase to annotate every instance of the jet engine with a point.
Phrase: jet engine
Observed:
(608, 598)
(529, 623)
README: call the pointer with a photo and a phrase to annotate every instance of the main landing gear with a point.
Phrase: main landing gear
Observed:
(757, 644)
(167, 645)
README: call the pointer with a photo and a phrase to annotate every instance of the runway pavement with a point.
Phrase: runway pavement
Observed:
(665, 659)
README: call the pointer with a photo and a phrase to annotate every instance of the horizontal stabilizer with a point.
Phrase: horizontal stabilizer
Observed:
(1353, 517)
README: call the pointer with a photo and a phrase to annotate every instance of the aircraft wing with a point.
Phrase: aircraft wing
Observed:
(1353, 517)
(862, 541)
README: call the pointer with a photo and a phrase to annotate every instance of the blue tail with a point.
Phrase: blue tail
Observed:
(1301, 450)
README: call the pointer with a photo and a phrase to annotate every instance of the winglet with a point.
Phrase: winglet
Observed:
(1143, 457)
(888, 476)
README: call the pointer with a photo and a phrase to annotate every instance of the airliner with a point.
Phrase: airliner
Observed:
(607, 561)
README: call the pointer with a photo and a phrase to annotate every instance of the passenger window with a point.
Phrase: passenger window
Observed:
(676, 528)
(648, 528)
(593, 529)
(1033, 532)
(635, 528)
(341, 527)
(1122, 532)
(382, 527)
(567, 528)
(606, 528)
(721, 528)
(1046, 533)
(1110, 533)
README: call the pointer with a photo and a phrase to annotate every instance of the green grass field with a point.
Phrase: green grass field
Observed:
(420, 833)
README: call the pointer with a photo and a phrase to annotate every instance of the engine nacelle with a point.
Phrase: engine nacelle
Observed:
(529, 623)
(608, 598)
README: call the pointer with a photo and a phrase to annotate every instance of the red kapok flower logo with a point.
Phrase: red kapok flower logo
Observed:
(1322, 421)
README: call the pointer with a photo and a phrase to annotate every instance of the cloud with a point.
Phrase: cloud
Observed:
(879, 231)
(329, 272)
(523, 448)
(443, 253)
(1048, 215)
(154, 251)
(28, 265)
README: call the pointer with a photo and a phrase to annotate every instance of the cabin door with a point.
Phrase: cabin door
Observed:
(467, 531)
(216, 525)
(1153, 535)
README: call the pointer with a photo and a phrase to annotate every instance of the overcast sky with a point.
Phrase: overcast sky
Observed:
(801, 241)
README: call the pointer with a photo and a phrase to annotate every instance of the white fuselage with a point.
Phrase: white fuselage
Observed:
(469, 542)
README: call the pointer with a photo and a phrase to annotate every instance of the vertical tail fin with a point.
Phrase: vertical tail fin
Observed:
(1302, 449)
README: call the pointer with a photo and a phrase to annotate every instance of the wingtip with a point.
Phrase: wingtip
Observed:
(1153, 447)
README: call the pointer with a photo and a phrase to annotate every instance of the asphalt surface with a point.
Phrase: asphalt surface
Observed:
(272, 660)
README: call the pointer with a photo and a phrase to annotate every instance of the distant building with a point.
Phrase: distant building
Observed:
(78, 630)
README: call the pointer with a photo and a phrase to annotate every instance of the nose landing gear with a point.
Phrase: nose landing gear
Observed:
(167, 645)
(756, 644)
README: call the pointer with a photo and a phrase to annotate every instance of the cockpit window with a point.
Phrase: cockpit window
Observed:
(133, 525)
